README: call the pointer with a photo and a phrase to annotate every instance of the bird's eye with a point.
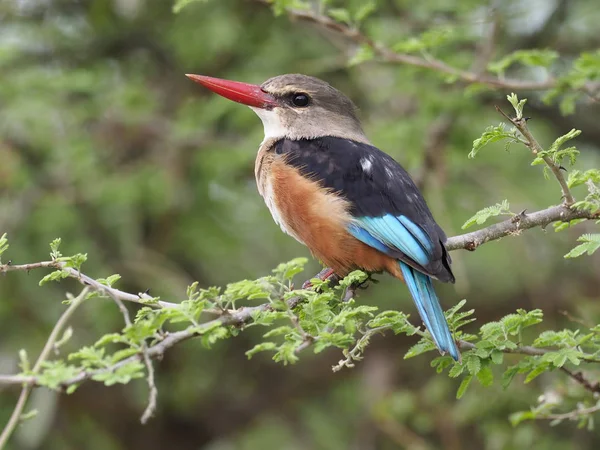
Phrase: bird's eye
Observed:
(300, 100)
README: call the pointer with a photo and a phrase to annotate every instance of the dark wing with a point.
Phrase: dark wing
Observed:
(390, 212)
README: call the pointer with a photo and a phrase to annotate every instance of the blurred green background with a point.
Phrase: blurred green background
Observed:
(105, 143)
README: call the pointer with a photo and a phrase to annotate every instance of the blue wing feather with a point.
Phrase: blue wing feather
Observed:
(389, 235)
(394, 234)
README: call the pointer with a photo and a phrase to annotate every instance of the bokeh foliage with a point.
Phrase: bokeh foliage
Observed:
(105, 143)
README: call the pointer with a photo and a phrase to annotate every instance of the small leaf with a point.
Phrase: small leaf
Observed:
(473, 364)
(363, 54)
(419, 348)
(456, 370)
(482, 216)
(289, 269)
(340, 15)
(3, 245)
(490, 135)
(485, 376)
(180, 4)
(54, 245)
(463, 386)
(532, 58)
(57, 275)
(364, 11)
(262, 347)
(517, 104)
(518, 417)
(591, 243)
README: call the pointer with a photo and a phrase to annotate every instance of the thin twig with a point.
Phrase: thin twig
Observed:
(152, 389)
(520, 124)
(48, 347)
(141, 298)
(572, 415)
(580, 378)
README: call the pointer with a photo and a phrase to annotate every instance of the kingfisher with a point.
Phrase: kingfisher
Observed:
(350, 203)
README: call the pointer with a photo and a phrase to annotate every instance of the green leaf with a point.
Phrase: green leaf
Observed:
(122, 375)
(363, 54)
(435, 37)
(537, 371)
(560, 226)
(262, 347)
(109, 281)
(279, 331)
(497, 356)
(509, 374)
(74, 261)
(577, 178)
(482, 216)
(555, 148)
(364, 11)
(518, 417)
(54, 373)
(247, 289)
(54, 245)
(57, 275)
(591, 243)
(473, 364)
(490, 135)
(423, 346)
(463, 386)
(485, 376)
(517, 104)
(180, 4)
(456, 370)
(24, 361)
(3, 245)
(28, 415)
(340, 15)
(513, 324)
(90, 357)
(531, 58)
(287, 270)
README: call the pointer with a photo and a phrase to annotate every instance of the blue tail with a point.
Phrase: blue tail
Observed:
(421, 289)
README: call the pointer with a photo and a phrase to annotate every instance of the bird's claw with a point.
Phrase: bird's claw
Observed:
(324, 275)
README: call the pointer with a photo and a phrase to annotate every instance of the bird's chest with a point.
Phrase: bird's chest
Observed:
(299, 205)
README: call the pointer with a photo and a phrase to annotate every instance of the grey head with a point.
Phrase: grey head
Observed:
(306, 108)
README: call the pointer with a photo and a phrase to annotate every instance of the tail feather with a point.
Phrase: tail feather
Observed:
(426, 300)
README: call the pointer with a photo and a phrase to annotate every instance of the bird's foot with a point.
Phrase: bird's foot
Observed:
(351, 290)
(327, 274)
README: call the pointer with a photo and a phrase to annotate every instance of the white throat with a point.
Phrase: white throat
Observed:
(304, 128)
(271, 123)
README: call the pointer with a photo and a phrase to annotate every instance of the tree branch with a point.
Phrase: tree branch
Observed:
(141, 298)
(388, 55)
(514, 226)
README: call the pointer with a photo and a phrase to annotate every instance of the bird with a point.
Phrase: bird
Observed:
(351, 204)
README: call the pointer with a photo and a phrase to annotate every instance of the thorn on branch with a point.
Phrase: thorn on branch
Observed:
(517, 218)
(470, 246)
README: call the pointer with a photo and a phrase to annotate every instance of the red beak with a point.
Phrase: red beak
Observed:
(247, 94)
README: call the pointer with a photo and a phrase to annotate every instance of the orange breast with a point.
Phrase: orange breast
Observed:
(318, 218)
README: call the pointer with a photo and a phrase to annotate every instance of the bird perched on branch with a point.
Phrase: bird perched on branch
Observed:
(350, 203)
